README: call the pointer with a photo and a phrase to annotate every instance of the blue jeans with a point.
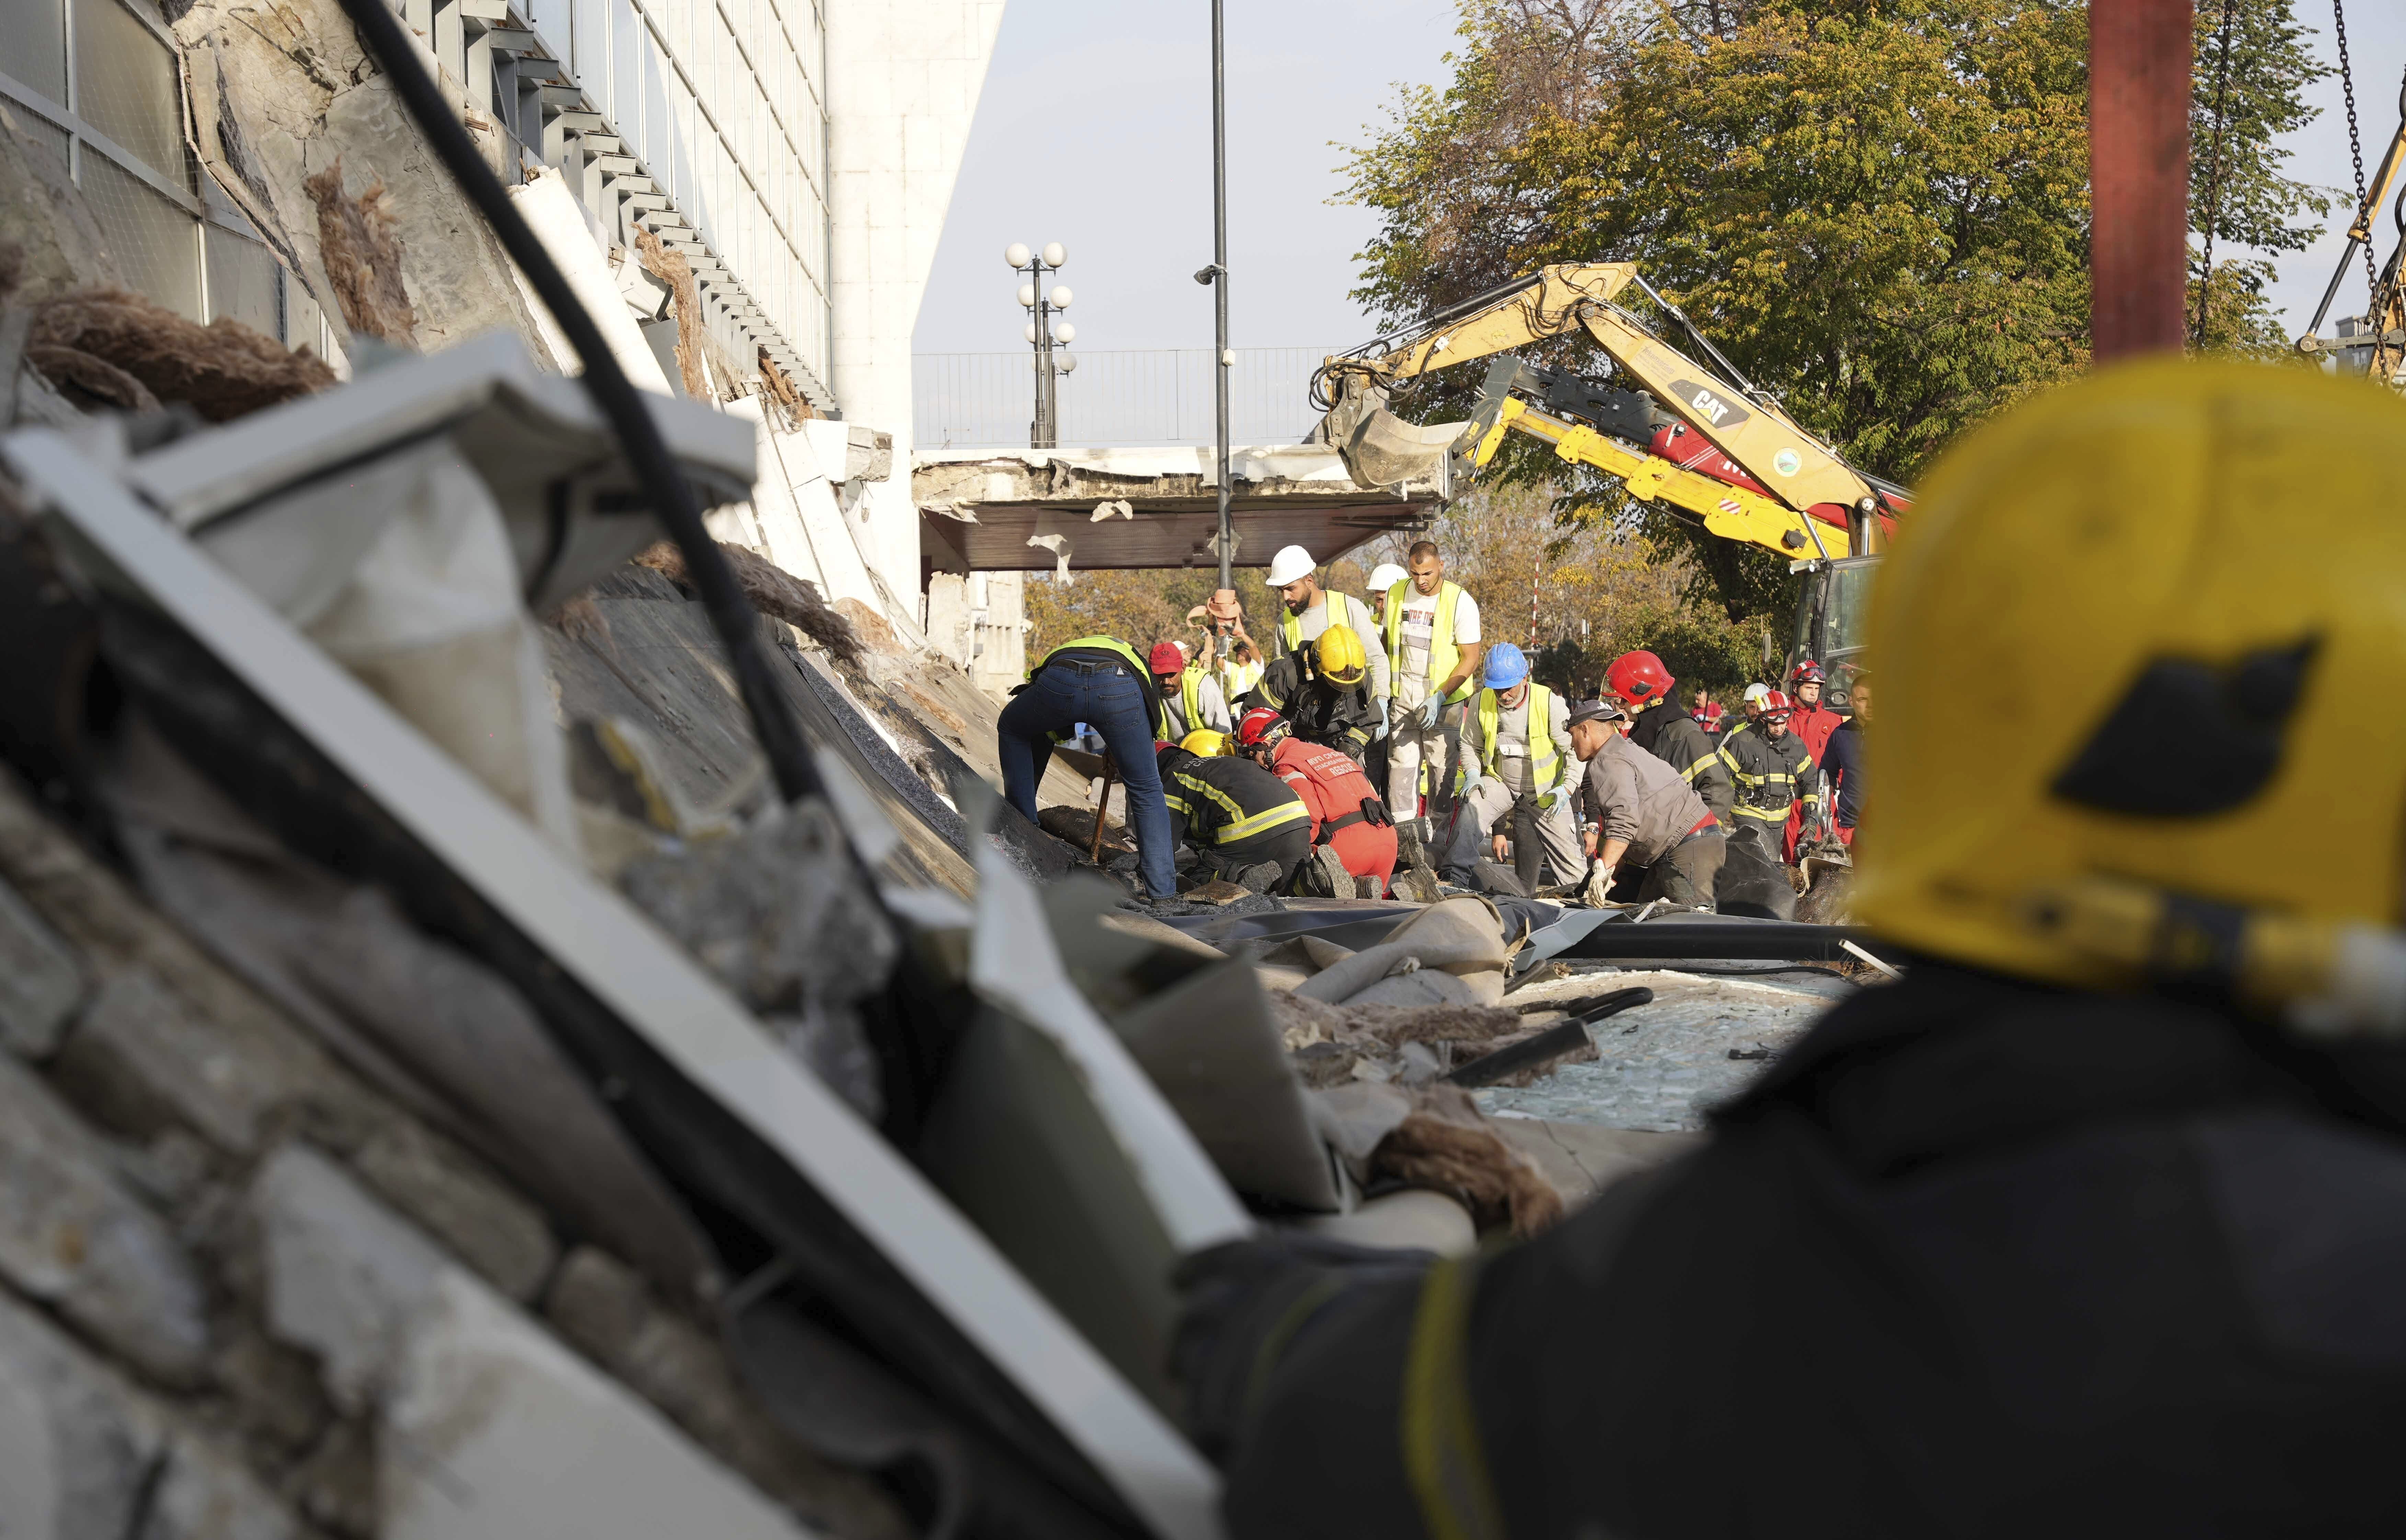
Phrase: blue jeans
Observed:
(1107, 697)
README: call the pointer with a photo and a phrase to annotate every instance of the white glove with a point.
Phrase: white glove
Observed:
(1432, 708)
(1599, 882)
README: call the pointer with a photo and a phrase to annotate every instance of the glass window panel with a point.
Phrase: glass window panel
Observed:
(34, 45)
(126, 87)
(243, 281)
(42, 131)
(151, 239)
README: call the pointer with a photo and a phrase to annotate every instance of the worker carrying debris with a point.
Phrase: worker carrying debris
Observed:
(1653, 836)
(1188, 692)
(1515, 744)
(1645, 688)
(1431, 628)
(1100, 681)
(1773, 772)
(1308, 610)
(1246, 825)
(1324, 692)
(1347, 814)
(2087, 1226)
(1843, 762)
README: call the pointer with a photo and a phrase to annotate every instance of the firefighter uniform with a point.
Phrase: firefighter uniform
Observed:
(1772, 774)
(1347, 814)
(1235, 814)
(1319, 710)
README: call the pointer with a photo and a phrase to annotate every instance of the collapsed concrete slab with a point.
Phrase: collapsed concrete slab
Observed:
(1066, 510)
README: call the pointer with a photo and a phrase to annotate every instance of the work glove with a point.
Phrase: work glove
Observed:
(1599, 883)
(1431, 711)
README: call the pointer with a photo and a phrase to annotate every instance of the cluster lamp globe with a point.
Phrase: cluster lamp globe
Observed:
(1057, 255)
(1016, 254)
(1060, 297)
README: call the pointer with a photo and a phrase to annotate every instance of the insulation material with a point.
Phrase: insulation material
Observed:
(772, 590)
(52, 243)
(222, 370)
(684, 300)
(402, 571)
(280, 94)
(544, 203)
(361, 249)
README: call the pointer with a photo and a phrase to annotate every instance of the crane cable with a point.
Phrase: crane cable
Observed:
(2213, 166)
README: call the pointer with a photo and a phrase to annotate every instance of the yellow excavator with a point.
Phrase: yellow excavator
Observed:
(2374, 342)
(1704, 441)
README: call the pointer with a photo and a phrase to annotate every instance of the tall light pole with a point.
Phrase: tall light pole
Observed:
(1042, 331)
(1217, 277)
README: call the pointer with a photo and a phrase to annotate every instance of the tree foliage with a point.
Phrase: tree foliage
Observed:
(1877, 208)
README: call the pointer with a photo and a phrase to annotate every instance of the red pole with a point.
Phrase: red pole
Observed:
(2139, 62)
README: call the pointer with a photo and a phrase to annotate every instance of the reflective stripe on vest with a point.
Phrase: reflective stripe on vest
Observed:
(1338, 607)
(1443, 654)
(1240, 824)
(1445, 1460)
(1544, 758)
(1135, 667)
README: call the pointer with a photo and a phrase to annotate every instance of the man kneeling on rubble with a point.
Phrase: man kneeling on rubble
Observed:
(1348, 819)
(1247, 827)
(1653, 836)
(2091, 1225)
(1513, 747)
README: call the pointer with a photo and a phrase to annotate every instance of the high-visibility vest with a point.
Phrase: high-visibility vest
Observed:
(1544, 758)
(1339, 609)
(1135, 665)
(1190, 690)
(1443, 654)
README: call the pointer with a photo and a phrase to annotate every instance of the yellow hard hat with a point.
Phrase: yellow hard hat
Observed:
(1203, 741)
(1340, 655)
(2123, 648)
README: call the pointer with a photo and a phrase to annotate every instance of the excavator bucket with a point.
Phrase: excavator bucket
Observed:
(1381, 450)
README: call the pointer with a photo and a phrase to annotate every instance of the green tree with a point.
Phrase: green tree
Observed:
(1877, 208)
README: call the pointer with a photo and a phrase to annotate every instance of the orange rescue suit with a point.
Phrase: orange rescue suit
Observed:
(1347, 814)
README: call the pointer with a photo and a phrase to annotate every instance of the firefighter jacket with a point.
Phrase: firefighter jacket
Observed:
(1770, 773)
(1297, 632)
(1223, 801)
(1682, 742)
(1320, 713)
(1336, 791)
(1815, 723)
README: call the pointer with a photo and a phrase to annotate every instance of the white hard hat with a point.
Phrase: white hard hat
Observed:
(1756, 692)
(1385, 576)
(1290, 565)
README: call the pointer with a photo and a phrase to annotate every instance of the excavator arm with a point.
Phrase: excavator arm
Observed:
(1745, 425)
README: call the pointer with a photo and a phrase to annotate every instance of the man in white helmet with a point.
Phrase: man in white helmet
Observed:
(1306, 609)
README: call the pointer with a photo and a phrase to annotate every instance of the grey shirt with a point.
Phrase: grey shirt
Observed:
(1637, 798)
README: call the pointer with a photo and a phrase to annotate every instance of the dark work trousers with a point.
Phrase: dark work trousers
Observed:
(1286, 844)
(1107, 697)
(1686, 876)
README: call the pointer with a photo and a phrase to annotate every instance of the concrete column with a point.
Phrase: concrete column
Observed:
(903, 78)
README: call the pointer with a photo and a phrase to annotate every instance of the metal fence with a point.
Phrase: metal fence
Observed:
(987, 401)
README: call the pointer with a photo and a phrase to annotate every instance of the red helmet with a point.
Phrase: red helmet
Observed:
(1776, 707)
(1167, 657)
(1805, 672)
(1637, 678)
(1262, 729)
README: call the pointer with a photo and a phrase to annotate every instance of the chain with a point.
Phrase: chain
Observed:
(2213, 171)
(2354, 140)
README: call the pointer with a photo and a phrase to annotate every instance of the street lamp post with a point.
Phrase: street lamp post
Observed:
(1223, 604)
(1043, 333)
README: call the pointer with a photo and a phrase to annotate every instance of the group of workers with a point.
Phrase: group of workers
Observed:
(1291, 775)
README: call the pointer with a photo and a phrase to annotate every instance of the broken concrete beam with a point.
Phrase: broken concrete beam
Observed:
(73, 1236)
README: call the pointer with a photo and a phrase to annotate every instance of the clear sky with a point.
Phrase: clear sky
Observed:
(1094, 130)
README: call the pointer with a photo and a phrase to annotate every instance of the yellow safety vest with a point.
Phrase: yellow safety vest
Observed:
(1190, 689)
(1341, 613)
(1135, 665)
(1443, 654)
(1543, 756)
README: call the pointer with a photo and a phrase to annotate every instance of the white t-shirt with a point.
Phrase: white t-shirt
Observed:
(1419, 625)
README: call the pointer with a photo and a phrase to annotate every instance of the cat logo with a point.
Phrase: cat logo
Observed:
(1788, 462)
(1712, 408)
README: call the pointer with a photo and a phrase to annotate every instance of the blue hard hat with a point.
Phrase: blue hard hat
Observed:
(1505, 667)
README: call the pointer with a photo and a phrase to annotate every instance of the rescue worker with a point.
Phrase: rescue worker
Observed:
(1653, 836)
(1347, 814)
(1188, 691)
(1100, 681)
(1246, 825)
(1515, 744)
(1812, 723)
(1307, 610)
(1843, 761)
(1431, 629)
(1774, 773)
(1643, 687)
(2089, 1226)
(1324, 692)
